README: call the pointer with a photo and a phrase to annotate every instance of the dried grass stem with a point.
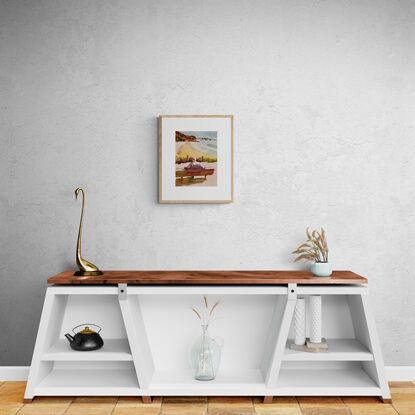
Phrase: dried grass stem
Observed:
(315, 249)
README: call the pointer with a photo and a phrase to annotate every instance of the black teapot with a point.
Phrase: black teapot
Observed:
(86, 339)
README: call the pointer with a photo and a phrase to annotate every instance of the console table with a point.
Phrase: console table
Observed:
(148, 327)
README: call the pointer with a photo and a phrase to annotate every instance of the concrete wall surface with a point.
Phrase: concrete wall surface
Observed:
(323, 98)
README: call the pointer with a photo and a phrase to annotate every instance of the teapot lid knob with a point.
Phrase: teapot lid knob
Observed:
(87, 330)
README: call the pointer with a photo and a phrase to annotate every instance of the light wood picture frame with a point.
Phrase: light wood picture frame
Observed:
(196, 158)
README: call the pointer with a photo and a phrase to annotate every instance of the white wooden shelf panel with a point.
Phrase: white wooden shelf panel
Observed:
(339, 350)
(113, 350)
(147, 331)
(332, 290)
(208, 290)
(244, 382)
(83, 290)
(74, 382)
(330, 382)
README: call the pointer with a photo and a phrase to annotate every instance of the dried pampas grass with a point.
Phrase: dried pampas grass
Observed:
(315, 249)
(206, 314)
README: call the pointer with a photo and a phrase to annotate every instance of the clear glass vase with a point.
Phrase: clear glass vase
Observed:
(205, 356)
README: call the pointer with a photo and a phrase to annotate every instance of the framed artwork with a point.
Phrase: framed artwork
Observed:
(196, 158)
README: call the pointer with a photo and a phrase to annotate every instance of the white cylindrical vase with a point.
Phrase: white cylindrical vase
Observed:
(299, 322)
(315, 318)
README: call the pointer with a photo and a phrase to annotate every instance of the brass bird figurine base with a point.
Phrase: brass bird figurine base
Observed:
(86, 268)
(87, 273)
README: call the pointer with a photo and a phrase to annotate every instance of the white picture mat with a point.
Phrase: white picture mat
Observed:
(169, 190)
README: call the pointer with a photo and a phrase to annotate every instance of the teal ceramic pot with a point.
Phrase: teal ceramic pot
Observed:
(321, 269)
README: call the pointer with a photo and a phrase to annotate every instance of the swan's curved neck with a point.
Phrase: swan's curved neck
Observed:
(78, 245)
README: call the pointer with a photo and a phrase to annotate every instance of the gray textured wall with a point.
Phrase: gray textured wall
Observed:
(323, 98)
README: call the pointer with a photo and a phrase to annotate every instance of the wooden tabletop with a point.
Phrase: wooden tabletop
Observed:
(207, 278)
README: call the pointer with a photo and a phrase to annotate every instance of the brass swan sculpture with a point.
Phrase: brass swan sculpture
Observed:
(85, 267)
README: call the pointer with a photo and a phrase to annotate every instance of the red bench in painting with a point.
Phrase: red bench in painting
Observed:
(194, 173)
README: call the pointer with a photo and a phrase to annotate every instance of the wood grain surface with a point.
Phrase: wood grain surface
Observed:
(11, 403)
(207, 278)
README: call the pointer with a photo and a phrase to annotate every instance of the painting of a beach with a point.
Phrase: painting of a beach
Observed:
(196, 158)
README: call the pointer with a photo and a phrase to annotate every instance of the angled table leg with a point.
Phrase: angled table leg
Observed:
(365, 330)
(147, 399)
(50, 323)
(137, 337)
(277, 340)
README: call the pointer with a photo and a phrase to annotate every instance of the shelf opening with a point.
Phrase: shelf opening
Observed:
(89, 378)
(325, 378)
(338, 350)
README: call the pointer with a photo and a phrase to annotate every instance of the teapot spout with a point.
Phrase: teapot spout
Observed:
(69, 337)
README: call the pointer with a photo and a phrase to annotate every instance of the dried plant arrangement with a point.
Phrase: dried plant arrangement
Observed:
(205, 315)
(314, 249)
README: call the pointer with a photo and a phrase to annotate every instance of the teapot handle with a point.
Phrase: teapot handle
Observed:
(87, 324)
